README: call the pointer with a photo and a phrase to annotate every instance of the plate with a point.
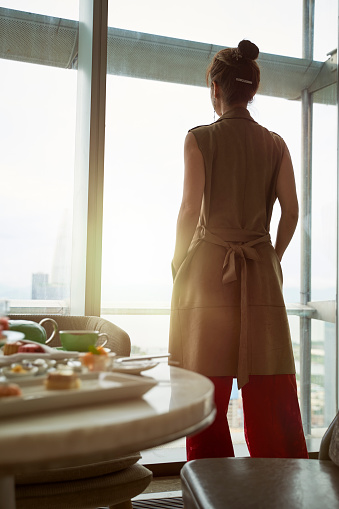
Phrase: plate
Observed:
(17, 375)
(95, 388)
(50, 353)
(133, 367)
(11, 335)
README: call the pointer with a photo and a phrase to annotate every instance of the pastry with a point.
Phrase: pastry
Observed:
(31, 348)
(7, 390)
(61, 380)
(19, 369)
(11, 348)
(96, 360)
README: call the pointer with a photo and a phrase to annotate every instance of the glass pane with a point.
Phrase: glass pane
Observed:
(280, 122)
(148, 333)
(324, 171)
(324, 262)
(142, 190)
(37, 104)
(143, 185)
(68, 9)
(223, 23)
(325, 28)
(322, 375)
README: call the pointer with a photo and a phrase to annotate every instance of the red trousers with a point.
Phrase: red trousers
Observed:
(272, 421)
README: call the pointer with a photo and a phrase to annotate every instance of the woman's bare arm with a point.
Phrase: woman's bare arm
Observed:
(287, 196)
(194, 183)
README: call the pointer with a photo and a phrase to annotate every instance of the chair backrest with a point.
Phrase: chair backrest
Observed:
(118, 340)
(334, 444)
(330, 442)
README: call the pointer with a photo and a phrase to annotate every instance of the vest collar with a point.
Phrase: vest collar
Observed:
(237, 112)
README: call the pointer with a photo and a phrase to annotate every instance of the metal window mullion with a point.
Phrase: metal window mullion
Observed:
(89, 159)
(306, 244)
(306, 224)
(337, 275)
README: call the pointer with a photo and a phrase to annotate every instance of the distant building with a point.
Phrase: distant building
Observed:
(56, 285)
(39, 286)
(43, 290)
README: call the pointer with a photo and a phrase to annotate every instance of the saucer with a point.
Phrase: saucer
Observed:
(134, 367)
(11, 335)
(62, 349)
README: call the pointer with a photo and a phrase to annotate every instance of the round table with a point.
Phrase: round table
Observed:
(181, 403)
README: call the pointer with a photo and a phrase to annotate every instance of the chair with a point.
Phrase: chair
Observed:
(265, 483)
(109, 483)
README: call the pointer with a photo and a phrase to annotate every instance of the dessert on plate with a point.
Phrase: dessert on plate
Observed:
(62, 380)
(31, 348)
(96, 359)
(11, 348)
(9, 390)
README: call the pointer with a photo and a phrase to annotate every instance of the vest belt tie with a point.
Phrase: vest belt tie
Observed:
(240, 244)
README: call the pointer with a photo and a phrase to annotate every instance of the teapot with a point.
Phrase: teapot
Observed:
(33, 330)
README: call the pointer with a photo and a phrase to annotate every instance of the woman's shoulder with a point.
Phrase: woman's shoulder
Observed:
(204, 136)
(279, 140)
(201, 128)
(203, 132)
(276, 136)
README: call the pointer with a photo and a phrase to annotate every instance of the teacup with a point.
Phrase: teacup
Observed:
(81, 340)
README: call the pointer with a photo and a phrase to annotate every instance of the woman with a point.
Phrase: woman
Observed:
(228, 317)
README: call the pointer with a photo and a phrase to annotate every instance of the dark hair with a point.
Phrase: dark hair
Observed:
(236, 72)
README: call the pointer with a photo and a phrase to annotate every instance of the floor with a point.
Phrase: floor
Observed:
(164, 485)
(163, 492)
(159, 503)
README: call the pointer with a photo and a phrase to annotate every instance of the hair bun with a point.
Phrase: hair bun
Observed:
(248, 50)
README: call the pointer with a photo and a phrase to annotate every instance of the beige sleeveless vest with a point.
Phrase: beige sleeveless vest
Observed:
(228, 315)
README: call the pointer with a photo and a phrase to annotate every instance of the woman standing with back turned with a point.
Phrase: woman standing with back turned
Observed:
(228, 317)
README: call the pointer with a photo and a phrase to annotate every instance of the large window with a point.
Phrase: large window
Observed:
(155, 92)
(37, 107)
